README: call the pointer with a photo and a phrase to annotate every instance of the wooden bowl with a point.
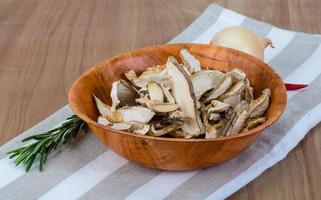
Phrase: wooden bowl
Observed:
(174, 153)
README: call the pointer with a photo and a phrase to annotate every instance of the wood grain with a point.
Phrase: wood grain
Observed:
(174, 153)
(45, 45)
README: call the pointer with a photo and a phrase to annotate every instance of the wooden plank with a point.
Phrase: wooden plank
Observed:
(45, 45)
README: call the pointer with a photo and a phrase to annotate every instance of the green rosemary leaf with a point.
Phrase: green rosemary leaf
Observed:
(46, 142)
(36, 137)
(30, 162)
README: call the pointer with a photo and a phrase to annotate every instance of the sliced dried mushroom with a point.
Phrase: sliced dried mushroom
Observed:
(232, 116)
(237, 74)
(183, 101)
(163, 131)
(114, 96)
(157, 105)
(218, 106)
(238, 124)
(178, 115)
(155, 91)
(121, 126)
(233, 100)
(163, 107)
(153, 74)
(114, 117)
(258, 106)
(139, 128)
(103, 121)
(252, 123)
(107, 112)
(191, 63)
(235, 89)
(184, 96)
(103, 109)
(239, 118)
(126, 93)
(248, 91)
(221, 89)
(213, 131)
(206, 80)
(131, 75)
(168, 95)
(136, 113)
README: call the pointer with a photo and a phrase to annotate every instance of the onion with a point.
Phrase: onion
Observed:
(242, 39)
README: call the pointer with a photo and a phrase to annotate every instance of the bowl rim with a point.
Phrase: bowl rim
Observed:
(282, 93)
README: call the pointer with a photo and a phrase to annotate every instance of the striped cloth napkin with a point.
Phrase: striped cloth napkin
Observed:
(89, 170)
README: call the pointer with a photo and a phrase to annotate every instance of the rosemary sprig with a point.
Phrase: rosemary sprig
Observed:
(46, 142)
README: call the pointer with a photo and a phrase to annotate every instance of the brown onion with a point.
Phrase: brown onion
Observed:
(242, 39)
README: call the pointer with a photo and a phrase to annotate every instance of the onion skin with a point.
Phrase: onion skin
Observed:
(242, 39)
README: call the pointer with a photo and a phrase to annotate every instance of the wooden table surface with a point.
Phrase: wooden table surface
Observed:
(45, 45)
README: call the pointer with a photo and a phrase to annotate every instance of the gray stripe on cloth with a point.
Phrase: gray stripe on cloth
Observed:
(260, 28)
(50, 122)
(121, 183)
(207, 181)
(200, 25)
(34, 184)
(296, 52)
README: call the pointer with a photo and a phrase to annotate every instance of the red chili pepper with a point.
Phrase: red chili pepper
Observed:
(290, 86)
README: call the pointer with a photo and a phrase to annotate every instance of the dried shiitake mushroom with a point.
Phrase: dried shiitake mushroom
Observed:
(181, 100)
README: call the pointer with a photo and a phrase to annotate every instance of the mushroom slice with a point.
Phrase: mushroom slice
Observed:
(237, 74)
(258, 106)
(218, 106)
(163, 131)
(103, 121)
(231, 117)
(178, 115)
(126, 93)
(167, 93)
(107, 112)
(121, 126)
(153, 74)
(163, 107)
(131, 75)
(191, 63)
(238, 123)
(136, 113)
(206, 80)
(156, 68)
(114, 117)
(114, 96)
(221, 89)
(103, 109)
(213, 131)
(248, 91)
(235, 89)
(252, 123)
(233, 100)
(143, 100)
(139, 128)
(183, 93)
(155, 91)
